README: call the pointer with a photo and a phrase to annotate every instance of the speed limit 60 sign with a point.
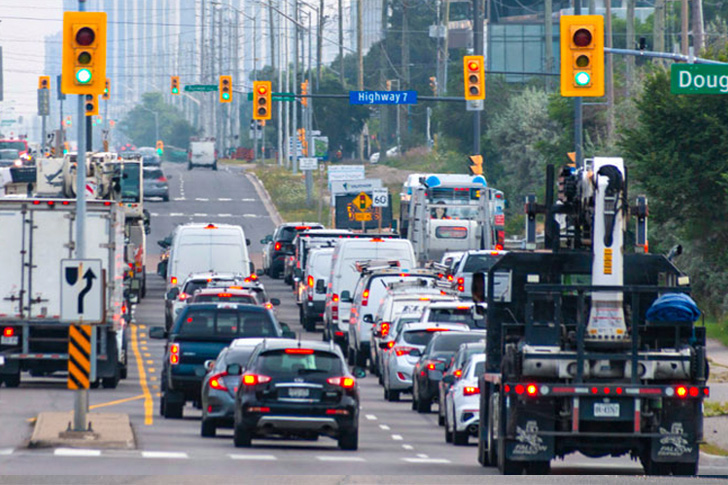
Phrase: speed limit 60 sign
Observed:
(380, 198)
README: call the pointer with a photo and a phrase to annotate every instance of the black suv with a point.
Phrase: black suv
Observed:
(199, 334)
(280, 245)
(298, 389)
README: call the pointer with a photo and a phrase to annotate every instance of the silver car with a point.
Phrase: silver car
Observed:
(399, 362)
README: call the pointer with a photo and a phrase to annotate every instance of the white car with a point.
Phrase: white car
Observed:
(399, 364)
(452, 312)
(462, 403)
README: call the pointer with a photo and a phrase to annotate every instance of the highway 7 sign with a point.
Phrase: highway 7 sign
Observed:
(82, 291)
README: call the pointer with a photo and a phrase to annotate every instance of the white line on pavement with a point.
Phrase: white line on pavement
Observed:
(224, 215)
(202, 199)
(7, 451)
(224, 199)
(155, 214)
(179, 198)
(176, 214)
(75, 452)
(421, 455)
(384, 427)
(371, 417)
(247, 200)
(408, 447)
(254, 457)
(426, 460)
(340, 458)
(164, 454)
(397, 437)
(199, 214)
(250, 215)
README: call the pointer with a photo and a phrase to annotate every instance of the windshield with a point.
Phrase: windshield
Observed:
(199, 258)
(451, 343)
(129, 181)
(225, 297)
(479, 369)
(479, 262)
(451, 315)
(418, 337)
(153, 174)
(9, 154)
(460, 202)
(282, 362)
(226, 323)
(16, 145)
(194, 285)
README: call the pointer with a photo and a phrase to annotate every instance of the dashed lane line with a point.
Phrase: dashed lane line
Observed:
(384, 427)
(371, 417)
(176, 455)
(397, 437)
(7, 451)
(426, 460)
(408, 447)
(75, 452)
(340, 458)
(254, 457)
(148, 402)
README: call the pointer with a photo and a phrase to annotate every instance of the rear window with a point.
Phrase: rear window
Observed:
(479, 262)
(153, 174)
(225, 298)
(283, 363)
(223, 323)
(451, 343)
(451, 315)
(418, 337)
(479, 368)
(288, 233)
(456, 232)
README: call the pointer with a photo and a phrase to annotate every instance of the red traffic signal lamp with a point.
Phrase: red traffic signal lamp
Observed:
(582, 55)
(226, 89)
(474, 76)
(262, 98)
(174, 85)
(84, 53)
(107, 90)
(44, 82)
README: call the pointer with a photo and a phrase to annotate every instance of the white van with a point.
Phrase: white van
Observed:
(344, 277)
(199, 248)
(315, 277)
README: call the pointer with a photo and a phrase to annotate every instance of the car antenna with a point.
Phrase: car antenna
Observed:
(299, 340)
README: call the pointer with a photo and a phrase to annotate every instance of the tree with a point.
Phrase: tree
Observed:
(335, 118)
(139, 124)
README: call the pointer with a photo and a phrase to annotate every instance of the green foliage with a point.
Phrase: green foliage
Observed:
(139, 125)
(341, 125)
(288, 193)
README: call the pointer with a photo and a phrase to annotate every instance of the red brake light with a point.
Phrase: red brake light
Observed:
(173, 280)
(224, 295)
(8, 332)
(299, 351)
(431, 366)
(499, 247)
(162, 179)
(310, 281)
(334, 297)
(424, 298)
(345, 382)
(438, 329)
(531, 390)
(694, 392)
(520, 389)
(174, 354)
(302, 228)
(216, 382)
(458, 373)
(450, 277)
(681, 391)
(365, 298)
(277, 246)
(183, 296)
(377, 239)
(254, 379)
(461, 284)
(400, 351)
(385, 329)
(470, 390)
(211, 226)
(463, 307)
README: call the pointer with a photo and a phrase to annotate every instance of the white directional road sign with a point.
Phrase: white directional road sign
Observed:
(82, 291)
(352, 186)
(308, 163)
(380, 198)
(346, 172)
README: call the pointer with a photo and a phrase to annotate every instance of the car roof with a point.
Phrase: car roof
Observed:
(226, 306)
(214, 275)
(288, 343)
(414, 326)
(239, 343)
(492, 252)
(451, 304)
(218, 289)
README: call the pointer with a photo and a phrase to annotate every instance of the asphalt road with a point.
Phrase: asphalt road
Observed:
(396, 444)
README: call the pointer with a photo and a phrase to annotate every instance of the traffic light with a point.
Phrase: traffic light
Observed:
(476, 164)
(90, 105)
(362, 202)
(84, 52)
(226, 89)
(582, 55)
(474, 75)
(174, 85)
(44, 82)
(107, 90)
(261, 100)
(304, 91)
(160, 147)
(68, 121)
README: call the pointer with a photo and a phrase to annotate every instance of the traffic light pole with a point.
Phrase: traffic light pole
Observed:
(478, 51)
(81, 395)
(578, 121)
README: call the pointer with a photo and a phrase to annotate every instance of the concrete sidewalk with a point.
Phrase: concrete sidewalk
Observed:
(108, 430)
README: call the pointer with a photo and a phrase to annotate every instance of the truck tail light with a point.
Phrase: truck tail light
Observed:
(310, 281)
(385, 329)
(183, 296)
(8, 332)
(173, 280)
(461, 284)
(365, 298)
(470, 390)
(458, 373)
(277, 246)
(174, 354)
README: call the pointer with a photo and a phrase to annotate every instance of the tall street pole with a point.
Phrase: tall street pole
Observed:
(360, 64)
(578, 125)
(478, 50)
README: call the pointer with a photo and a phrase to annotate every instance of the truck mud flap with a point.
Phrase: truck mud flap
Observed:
(524, 430)
(680, 427)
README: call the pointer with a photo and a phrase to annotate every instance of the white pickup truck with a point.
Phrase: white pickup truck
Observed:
(202, 154)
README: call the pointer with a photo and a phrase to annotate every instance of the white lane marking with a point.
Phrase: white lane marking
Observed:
(224, 199)
(224, 215)
(179, 198)
(250, 215)
(426, 460)
(253, 457)
(408, 447)
(384, 427)
(202, 199)
(421, 455)
(340, 458)
(176, 214)
(155, 214)
(199, 214)
(75, 452)
(7, 451)
(164, 454)
(371, 417)
(247, 200)
(397, 437)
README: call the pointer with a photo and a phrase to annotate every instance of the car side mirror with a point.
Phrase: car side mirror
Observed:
(449, 379)
(320, 286)
(259, 272)
(384, 345)
(368, 318)
(209, 365)
(247, 241)
(415, 353)
(157, 333)
(275, 301)
(234, 369)
(287, 332)
(346, 296)
(173, 293)
(360, 372)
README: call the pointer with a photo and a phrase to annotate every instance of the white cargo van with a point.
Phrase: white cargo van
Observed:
(344, 277)
(202, 154)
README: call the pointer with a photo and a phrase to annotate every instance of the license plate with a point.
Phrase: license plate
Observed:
(9, 340)
(606, 410)
(298, 392)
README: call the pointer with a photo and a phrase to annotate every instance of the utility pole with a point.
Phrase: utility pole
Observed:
(548, 30)
(295, 87)
(630, 44)
(684, 16)
(405, 70)
(659, 26)
(697, 26)
(478, 50)
(319, 42)
(610, 73)
(383, 109)
(442, 83)
(360, 64)
(341, 45)
(287, 106)
(578, 124)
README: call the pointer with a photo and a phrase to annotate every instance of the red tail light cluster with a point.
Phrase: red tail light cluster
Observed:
(345, 382)
(277, 246)
(461, 284)
(458, 373)
(8, 332)
(254, 379)
(470, 390)
(310, 281)
(216, 382)
(385, 329)
(402, 350)
(365, 298)
(174, 354)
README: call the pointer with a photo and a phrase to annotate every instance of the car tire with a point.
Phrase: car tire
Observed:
(448, 435)
(207, 428)
(351, 358)
(459, 438)
(165, 198)
(538, 468)
(349, 439)
(440, 419)
(393, 396)
(423, 407)
(361, 358)
(172, 410)
(12, 380)
(242, 437)
(214, 166)
(110, 382)
(189, 166)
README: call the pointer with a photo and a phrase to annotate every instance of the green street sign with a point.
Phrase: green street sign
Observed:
(277, 97)
(200, 87)
(698, 79)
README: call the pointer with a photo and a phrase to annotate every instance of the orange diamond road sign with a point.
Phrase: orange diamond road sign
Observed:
(362, 202)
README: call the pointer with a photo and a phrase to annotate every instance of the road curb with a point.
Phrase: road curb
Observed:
(108, 431)
(265, 198)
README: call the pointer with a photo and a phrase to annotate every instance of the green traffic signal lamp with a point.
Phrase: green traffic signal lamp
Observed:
(582, 79)
(225, 96)
(160, 152)
(84, 76)
(175, 91)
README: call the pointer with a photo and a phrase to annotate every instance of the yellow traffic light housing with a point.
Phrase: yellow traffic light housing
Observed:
(160, 147)
(90, 105)
(304, 91)
(582, 55)
(474, 76)
(107, 90)
(476, 164)
(262, 98)
(174, 85)
(44, 82)
(84, 53)
(226, 89)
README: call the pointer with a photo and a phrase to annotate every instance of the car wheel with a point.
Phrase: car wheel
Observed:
(459, 438)
(166, 198)
(386, 394)
(110, 382)
(361, 358)
(393, 396)
(423, 406)
(351, 357)
(538, 468)
(12, 380)
(172, 410)
(242, 437)
(214, 166)
(448, 436)
(207, 428)
(349, 440)
(440, 419)
(189, 166)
